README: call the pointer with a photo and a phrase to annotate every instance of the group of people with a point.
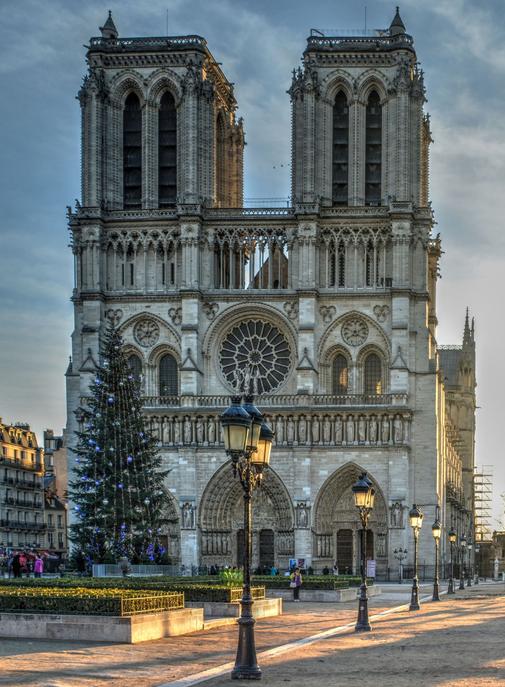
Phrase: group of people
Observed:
(19, 563)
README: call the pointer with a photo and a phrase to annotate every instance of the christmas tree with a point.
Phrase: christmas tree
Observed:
(117, 488)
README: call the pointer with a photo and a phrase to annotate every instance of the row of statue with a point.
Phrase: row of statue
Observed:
(348, 429)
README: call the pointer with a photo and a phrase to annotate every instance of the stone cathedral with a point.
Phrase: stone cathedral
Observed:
(326, 308)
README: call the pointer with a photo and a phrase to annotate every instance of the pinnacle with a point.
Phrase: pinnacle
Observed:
(397, 26)
(109, 29)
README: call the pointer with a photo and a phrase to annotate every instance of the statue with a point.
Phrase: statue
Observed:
(326, 430)
(187, 430)
(199, 431)
(339, 428)
(302, 431)
(361, 429)
(385, 430)
(211, 430)
(291, 430)
(188, 516)
(398, 430)
(302, 515)
(315, 430)
(350, 430)
(396, 514)
(279, 430)
(176, 431)
(372, 430)
(165, 432)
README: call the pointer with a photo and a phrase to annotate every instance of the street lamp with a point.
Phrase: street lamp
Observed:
(469, 547)
(477, 562)
(452, 539)
(416, 522)
(364, 496)
(436, 530)
(400, 555)
(248, 442)
(462, 543)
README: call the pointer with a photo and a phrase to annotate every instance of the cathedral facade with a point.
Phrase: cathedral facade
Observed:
(327, 309)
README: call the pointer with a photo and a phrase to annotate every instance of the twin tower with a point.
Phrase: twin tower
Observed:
(326, 308)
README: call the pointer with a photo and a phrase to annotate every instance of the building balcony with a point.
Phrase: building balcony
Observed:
(279, 401)
(21, 526)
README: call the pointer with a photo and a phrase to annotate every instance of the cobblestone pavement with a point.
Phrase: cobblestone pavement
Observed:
(457, 637)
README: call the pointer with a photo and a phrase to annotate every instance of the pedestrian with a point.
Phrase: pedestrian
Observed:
(124, 565)
(16, 565)
(9, 566)
(38, 566)
(296, 583)
(80, 563)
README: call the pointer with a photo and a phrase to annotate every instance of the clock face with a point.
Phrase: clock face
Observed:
(354, 331)
(146, 332)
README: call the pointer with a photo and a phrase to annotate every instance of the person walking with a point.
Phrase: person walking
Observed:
(38, 566)
(296, 583)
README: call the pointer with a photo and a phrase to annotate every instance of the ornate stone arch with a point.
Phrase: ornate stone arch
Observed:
(160, 81)
(362, 355)
(329, 337)
(130, 322)
(326, 365)
(124, 84)
(221, 517)
(372, 79)
(335, 82)
(334, 510)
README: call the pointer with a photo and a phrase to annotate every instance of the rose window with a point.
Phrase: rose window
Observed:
(255, 357)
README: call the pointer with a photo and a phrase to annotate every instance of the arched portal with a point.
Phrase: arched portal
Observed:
(337, 524)
(170, 534)
(221, 521)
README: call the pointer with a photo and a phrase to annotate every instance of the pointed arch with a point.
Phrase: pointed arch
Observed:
(340, 168)
(167, 151)
(132, 152)
(373, 149)
(221, 160)
(170, 534)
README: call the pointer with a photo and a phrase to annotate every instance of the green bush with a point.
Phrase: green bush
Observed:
(85, 601)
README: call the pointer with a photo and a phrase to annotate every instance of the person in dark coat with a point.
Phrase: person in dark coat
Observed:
(16, 565)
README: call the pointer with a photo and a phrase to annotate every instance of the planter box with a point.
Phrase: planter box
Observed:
(323, 595)
(261, 608)
(110, 629)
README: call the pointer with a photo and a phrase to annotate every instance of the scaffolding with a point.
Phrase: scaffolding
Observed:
(483, 496)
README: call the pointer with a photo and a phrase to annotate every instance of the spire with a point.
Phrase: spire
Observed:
(397, 26)
(467, 338)
(473, 330)
(109, 30)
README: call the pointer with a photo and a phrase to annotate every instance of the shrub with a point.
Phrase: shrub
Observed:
(84, 601)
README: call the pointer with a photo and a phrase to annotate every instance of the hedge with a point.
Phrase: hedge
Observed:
(81, 601)
(312, 582)
(192, 591)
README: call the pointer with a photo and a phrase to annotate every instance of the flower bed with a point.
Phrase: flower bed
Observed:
(192, 591)
(85, 601)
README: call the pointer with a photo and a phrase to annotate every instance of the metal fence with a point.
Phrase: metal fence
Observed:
(115, 570)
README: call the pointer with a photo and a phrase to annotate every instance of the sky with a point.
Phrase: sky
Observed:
(461, 47)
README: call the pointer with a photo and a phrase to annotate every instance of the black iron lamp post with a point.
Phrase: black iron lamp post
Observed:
(364, 496)
(477, 562)
(436, 530)
(452, 539)
(416, 522)
(469, 547)
(400, 555)
(462, 544)
(248, 442)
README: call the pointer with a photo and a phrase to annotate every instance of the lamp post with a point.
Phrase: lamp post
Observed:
(477, 562)
(416, 522)
(248, 442)
(436, 530)
(400, 555)
(452, 538)
(462, 546)
(469, 547)
(364, 496)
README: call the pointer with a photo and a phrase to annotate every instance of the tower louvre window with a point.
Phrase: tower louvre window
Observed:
(169, 385)
(167, 151)
(373, 375)
(340, 375)
(373, 151)
(132, 153)
(340, 177)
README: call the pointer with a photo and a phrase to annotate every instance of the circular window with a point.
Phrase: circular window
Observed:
(255, 357)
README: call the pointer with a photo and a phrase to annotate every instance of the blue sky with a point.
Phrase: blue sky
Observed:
(461, 46)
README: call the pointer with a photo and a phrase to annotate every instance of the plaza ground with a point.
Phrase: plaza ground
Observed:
(458, 642)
